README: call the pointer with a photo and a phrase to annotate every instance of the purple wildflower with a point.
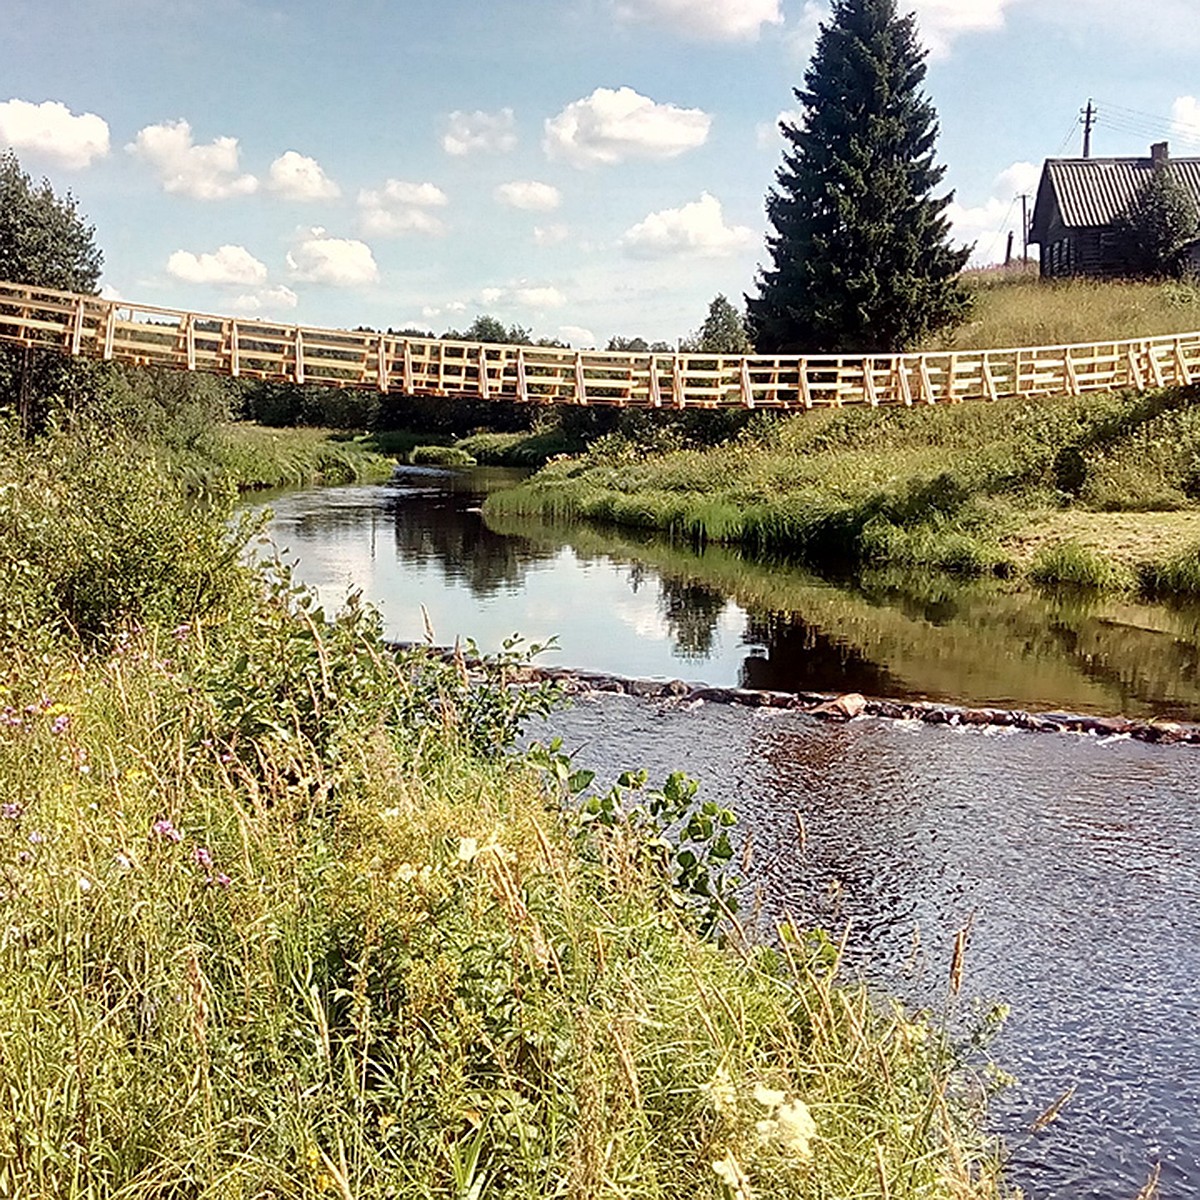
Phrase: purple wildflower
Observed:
(36, 838)
(166, 830)
(203, 858)
(222, 880)
(60, 724)
(11, 812)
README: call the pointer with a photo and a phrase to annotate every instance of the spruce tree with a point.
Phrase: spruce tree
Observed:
(861, 260)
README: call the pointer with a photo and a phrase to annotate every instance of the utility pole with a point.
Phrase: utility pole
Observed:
(1024, 226)
(1089, 120)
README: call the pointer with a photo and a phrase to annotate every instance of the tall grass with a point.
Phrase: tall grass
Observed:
(1019, 309)
(283, 915)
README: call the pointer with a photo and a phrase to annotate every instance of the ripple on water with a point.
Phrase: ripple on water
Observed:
(1077, 862)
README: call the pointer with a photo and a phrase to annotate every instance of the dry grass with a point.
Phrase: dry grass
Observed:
(1018, 309)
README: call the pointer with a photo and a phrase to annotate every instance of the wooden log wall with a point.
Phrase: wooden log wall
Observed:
(145, 335)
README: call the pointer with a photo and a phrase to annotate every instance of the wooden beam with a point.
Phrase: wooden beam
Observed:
(581, 396)
(522, 384)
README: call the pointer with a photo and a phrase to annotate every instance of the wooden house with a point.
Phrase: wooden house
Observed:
(1079, 199)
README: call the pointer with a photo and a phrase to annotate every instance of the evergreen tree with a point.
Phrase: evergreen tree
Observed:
(1157, 226)
(860, 254)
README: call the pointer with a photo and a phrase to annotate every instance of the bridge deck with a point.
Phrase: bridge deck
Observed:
(146, 335)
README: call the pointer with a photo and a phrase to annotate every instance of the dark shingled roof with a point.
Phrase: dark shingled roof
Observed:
(1093, 192)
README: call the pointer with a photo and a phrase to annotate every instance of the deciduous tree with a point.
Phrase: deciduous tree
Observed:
(860, 252)
(1154, 231)
(45, 241)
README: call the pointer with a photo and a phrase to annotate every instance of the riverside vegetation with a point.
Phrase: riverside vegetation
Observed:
(283, 914)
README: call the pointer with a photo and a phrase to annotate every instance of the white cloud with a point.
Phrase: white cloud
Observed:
(227, 265)
(530, 195)
(610, 126)
(53, 131)
(715, 20)
(340, 262)
(939, 22)
(203, 172)
(767, 134)
(987, 224)
(400, 207)
(1185, 120)
(523, 295)
(550, 235)
(295, 176)
(436, 310)
(695, 230)
(469, 133)
(276, 299)
(576, 335)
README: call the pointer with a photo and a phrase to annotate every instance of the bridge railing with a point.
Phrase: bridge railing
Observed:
(148, 335)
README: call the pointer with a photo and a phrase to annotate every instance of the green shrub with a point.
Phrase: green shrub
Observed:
(440, 456)
(1076, 565)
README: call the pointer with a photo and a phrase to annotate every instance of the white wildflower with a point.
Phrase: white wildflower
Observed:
(468, 848)
(721, 1092)
(730, 1173)
(768, 1097)
(796, 1129)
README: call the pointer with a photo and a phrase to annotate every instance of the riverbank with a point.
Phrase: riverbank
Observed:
(971, 489)
(286, 913)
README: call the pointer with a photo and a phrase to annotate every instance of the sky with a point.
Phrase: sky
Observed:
(581, 168)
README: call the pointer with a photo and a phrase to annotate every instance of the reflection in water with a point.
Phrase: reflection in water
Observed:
(1077, 862)
(638, 605)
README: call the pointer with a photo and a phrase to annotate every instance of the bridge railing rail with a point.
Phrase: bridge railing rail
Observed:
(148, 335)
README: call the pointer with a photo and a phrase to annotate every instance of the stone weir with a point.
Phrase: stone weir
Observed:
(834, 706)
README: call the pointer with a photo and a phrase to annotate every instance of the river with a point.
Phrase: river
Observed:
(1076, 860)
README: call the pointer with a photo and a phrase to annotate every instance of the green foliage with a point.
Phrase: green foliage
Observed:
(44, 240)
(1155, 230)
(723, 331)
(638, 345)
(440, 456)
(1178, 574)
(1078, 566)
(286, 404)
(490, 329)
(97, 536)
(860, 258)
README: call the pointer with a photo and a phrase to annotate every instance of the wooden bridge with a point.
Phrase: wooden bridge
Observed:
(145, 335)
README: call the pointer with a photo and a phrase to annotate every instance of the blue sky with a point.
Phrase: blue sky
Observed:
(581, 167)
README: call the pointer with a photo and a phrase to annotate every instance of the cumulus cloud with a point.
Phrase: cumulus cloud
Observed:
(767, 134)
(695, 230)
(400, 207)
(203, 172)
(51, 130)
(523, 295)
(713, 20)
(530, 195)
(576, 335)
(610, 126)
(295, 176)
(470, 133)
(340, 262)
(268, 300)
(550, 235)
(940, 22)
(987, 224)
(227, 265)
(1185, 120)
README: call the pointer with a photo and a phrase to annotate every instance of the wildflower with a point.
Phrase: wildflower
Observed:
(730, 1173)
(11, 812)
(721, 1092)
(796, 1129)
(180, 632)
(36, 837)
(203, 858)
(85, 884)
(60, 724)
(468, 848)
(166, 830)
(768, 1097)
(123, 861)
(221, 879)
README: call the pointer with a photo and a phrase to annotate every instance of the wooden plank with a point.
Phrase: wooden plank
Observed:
(522, 381)
(298, 352)
(1069, 375)
(1155, 368)
(746, 391)
(1182, 374)
(677, 385)
(989, 380)
(110, 328)
(926, 382)
(409, 387)
(581, 396)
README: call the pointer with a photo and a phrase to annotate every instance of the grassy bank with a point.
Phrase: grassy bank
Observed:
(286, 915)
(1014, 308)
(955, 488)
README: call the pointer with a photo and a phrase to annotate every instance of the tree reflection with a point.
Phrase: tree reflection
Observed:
(691, 611)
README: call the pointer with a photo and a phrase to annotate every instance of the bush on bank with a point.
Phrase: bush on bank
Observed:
(284, 915)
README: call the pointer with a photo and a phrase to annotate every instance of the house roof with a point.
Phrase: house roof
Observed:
(1093, 192)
